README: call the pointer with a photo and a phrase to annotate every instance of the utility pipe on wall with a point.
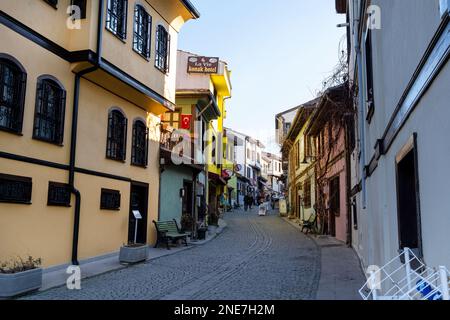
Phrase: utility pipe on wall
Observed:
(74, 132)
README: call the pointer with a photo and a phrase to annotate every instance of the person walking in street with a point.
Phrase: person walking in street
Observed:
(246, 201)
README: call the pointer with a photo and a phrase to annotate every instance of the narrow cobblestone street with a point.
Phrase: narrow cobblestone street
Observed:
(254, 258)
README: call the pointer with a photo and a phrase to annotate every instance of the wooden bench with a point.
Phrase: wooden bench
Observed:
(168, 231)
(309, 224)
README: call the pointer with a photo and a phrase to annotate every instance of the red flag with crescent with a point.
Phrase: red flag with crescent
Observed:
(186, 121)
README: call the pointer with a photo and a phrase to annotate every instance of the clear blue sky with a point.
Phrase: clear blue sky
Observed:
(278, 50)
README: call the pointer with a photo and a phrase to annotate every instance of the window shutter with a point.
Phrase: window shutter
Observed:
(124, 19)
(146, 144)
(61, 117)
(134, 143)
(109, 135)
(158, 41)
(149, 35)
(124, 144)
(168, 53)
(21, 88)
(38, 110)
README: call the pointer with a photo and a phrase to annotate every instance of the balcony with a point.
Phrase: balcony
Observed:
(169, 139)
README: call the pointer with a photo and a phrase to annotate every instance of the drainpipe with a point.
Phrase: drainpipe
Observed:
(73, 141)
(361, 103)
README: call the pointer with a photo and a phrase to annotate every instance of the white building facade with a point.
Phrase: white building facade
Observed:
(400, 176)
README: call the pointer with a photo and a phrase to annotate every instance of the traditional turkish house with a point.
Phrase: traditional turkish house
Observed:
(274, 172)
(239, 180)
(297, 150)
(79, 116)
(200, 102)
(328, 127)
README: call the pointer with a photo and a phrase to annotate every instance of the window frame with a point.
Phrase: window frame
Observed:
(110, 140)
(134, 147)
(370, 91)
(104, 192)
(122, 35)
(58, 202)
(307, 201)
(27, 186)
(59, 117)
(159, 52)
(147, 38)
(19, 92)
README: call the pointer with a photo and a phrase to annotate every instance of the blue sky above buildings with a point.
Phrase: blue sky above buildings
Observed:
(278, 50)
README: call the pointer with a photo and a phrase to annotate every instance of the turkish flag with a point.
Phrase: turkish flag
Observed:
(186, 121)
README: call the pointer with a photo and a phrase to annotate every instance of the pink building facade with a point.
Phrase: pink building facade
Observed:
(328, 130)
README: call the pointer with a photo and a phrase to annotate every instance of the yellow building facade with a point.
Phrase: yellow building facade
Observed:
(299, 148)
(79, 123)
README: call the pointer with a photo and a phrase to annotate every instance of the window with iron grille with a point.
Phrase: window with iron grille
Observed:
(162, 49)
(139, 151)
(116, 17)
(49, 112)
(15, 189)
(58, 194)
(142, 31)
(117, 136)
(12, 96)
(110, 200)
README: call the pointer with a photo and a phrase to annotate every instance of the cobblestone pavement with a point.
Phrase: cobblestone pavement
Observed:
(255, 257)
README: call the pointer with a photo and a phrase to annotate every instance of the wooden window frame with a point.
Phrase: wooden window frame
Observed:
(162, 49)
(142, 31)
(18, 88)
(58, 189)
(118, 18)
(25, 185)
(139, 150)
(42, 114)
(104, 205)
(116, 146)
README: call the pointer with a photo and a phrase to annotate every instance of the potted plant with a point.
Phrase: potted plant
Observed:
(201, 231)
(187, 223)
(133, 253)
(19, 277)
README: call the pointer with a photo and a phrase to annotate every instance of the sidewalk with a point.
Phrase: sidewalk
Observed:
(341, 275)
(57, 276)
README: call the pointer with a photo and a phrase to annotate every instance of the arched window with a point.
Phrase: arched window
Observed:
(162, 49)
(139, 151)
(116, 17)
(49, 112)
(142, 31)
(117, 136)
(12, 95)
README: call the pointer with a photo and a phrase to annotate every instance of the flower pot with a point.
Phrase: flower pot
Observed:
(201, 234)
(19, 283)
(133, 254)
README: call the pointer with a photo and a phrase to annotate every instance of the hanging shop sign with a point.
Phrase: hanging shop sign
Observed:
(203, 65)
